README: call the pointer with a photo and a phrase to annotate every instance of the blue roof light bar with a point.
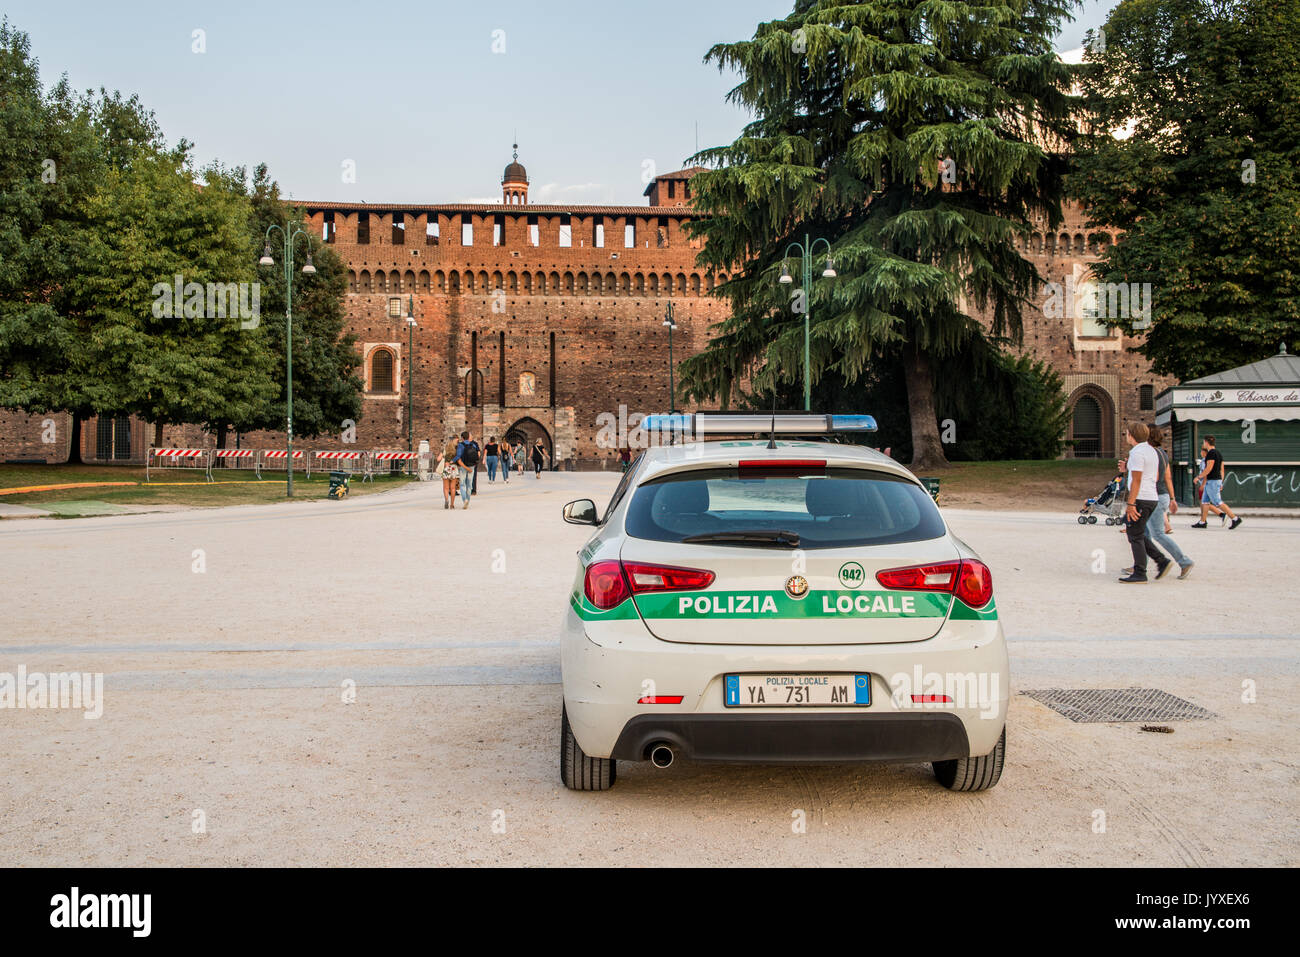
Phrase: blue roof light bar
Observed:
(747, 423)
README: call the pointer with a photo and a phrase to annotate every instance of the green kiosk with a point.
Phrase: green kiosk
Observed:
(1253, 412)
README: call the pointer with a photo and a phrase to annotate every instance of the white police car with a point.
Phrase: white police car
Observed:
(776, 601)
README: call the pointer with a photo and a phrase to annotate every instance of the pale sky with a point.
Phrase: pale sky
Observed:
(423, 97)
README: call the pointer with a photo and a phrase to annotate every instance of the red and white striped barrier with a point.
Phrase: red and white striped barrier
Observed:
(353, 462)
(391, 457)
(278, 459)
(235, 459)
(188, 459)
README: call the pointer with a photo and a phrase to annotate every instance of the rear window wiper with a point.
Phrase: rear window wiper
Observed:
(757, 536)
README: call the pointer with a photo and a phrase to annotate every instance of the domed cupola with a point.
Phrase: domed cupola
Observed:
(514, 183)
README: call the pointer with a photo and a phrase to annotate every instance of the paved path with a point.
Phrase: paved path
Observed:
(229, 639)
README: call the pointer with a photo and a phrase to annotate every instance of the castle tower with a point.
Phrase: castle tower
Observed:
(514, 184)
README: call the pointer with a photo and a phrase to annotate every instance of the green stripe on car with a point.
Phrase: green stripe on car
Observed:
(777, 604)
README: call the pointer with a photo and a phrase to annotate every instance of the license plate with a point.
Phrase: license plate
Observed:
(796, 691)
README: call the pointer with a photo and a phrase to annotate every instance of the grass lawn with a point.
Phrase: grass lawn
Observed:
(185, 488)
(1045, 484)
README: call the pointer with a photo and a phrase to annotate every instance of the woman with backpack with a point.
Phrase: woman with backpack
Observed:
(507, 460)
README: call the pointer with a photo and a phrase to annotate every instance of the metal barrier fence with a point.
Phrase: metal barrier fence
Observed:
(364, 464)
(278, 459)
(229, 459)
(185, 460)
(408, 460)
(354, 463)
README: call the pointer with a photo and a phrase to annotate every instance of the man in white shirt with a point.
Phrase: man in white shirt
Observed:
(1143, 473)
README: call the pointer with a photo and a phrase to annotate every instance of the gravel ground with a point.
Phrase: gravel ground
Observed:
(224, 694)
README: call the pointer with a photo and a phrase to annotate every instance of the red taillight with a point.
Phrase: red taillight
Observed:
(608, 584)
(605, 585)
(812, 465)
(974, 584)
(648, 578)
(660, 699)
(781, 468)
(940, 577)
(969, 580)
(931, 699)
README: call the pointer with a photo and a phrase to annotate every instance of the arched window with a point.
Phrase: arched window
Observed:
(1086, 428)
(381, 371)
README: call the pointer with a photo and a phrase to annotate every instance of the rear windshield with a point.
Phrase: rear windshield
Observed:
(837, 508)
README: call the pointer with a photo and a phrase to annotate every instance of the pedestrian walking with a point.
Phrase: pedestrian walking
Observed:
(492, 452)
(507, 460)
(1157, 525)
(625, 457)
(1212, 475)
(1142, 468)
(447, 470)
(467, 452)
(521, 453)
(539, 456)
(1198, 484)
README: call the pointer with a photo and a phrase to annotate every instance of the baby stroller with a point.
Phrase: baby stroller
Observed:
(1108, 503)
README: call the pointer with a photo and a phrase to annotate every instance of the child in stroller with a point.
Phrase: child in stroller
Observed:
(1108, 503)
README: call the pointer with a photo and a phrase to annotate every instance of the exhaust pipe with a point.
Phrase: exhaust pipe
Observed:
(661, 756)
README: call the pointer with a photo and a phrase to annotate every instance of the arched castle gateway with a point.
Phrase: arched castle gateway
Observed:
(551, 315)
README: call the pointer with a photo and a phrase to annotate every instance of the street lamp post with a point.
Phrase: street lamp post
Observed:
(806, 249)
(410, 373)
(672, 385)
(290, 235)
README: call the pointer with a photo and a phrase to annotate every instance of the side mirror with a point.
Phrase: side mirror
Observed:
(581, 512)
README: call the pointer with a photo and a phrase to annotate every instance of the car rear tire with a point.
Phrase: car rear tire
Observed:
(578, 771)
(973, 774)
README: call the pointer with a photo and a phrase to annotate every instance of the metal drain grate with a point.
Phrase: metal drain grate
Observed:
(1119, 704)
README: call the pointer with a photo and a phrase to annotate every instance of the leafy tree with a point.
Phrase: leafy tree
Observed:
(1204, 178)
(913, 135)
(188, 358)
(49, 160)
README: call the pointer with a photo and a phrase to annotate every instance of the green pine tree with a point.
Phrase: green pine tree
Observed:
(919, 138)
(326, 386)
(1204, 180)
